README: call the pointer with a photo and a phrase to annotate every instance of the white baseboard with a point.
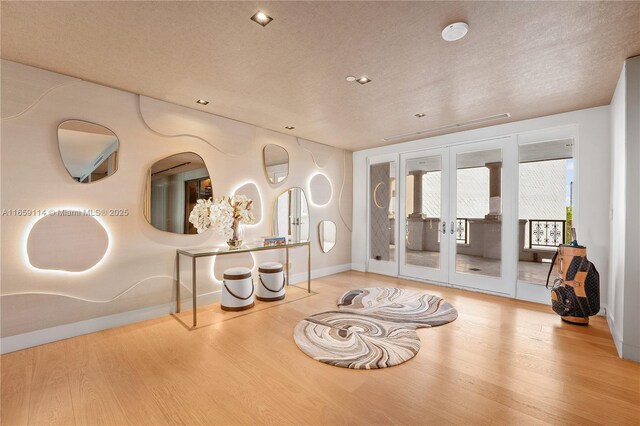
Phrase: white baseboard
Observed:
(360, 267)
(318, 273)
(617, 340)
(625, 350)
(65, 331)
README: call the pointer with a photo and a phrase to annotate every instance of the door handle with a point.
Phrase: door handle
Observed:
(452, 228)
(444, 227)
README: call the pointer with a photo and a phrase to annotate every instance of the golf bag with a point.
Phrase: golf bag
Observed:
(575, 295)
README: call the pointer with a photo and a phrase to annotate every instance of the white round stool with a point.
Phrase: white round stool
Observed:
(237, 289)
(271, 282)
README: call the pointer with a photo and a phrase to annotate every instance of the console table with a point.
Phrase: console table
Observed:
(221, 251)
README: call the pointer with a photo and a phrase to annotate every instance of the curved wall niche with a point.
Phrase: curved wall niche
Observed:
(251, 190)
(67, 241)
(174, 184)
(320, 190)
(89, 151)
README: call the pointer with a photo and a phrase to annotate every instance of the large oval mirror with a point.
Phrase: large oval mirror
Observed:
(89, 151)
(291, 215)
(276, 163)
(174, 186)
(327, 233)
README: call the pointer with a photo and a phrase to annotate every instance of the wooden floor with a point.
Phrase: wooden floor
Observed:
(501, 362)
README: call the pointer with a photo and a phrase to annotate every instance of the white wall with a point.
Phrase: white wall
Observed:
(617, 212)
(592, 127)
(136, 278)
(624, 277)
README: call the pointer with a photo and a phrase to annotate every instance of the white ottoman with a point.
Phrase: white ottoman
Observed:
(237, 289)
(271, 282)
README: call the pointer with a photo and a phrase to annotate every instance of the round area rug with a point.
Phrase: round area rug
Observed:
(351, 340)
(373, 328)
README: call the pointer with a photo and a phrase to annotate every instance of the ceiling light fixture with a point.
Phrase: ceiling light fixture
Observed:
(455, 31)
(420, 114)
(448, 127)
(350, 78)
(289, 127)
(261, 18)
(202, 102)
(364, 80)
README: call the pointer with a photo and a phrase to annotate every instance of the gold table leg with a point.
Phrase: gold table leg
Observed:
(193, 282)
(178, 280)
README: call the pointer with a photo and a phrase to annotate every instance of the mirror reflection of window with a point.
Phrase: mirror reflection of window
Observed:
(89, 151)
(175, 184)
(276, 163)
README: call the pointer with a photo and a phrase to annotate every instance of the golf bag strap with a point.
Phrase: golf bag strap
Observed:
(553, 262)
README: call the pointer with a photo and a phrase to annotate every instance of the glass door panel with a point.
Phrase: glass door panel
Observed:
(382, 218)
(545, 205)
(423, 212)
(482, 216)
(478, 227)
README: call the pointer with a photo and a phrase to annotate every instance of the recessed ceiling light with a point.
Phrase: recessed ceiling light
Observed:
(420, 115)
(455, 31)
(202, 102)
(364, 80)
(289, 127)
(350, 78)
(261, 18)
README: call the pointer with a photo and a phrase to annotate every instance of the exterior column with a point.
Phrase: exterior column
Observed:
(417, 193)
(495, 190)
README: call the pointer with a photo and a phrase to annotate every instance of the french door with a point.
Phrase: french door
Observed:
(457, 216)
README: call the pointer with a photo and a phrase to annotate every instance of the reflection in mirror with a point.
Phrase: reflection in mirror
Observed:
(174, 185)
(276, 163)
(89, 151)
(327, 232)
(291, 215)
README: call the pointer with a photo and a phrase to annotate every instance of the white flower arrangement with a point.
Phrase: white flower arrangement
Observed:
(200, 215)
(224, 215)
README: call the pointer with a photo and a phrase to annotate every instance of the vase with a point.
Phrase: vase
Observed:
(238, 233)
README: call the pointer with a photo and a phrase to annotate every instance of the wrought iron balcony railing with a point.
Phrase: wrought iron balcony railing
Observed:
(546, 232)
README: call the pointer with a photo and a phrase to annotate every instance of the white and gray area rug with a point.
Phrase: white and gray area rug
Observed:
(373, 327)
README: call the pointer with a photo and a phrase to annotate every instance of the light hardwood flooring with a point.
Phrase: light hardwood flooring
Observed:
(501, 362)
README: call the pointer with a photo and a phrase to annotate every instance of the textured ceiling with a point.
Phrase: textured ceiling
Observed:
(526, 58)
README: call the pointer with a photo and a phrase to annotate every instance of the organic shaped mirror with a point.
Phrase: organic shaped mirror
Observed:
(276, 163)
(174, 185)
(327, 233)
(89, 151)
(291, 215)
(320, 190)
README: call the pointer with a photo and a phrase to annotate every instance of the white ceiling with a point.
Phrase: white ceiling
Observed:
(528, 59)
